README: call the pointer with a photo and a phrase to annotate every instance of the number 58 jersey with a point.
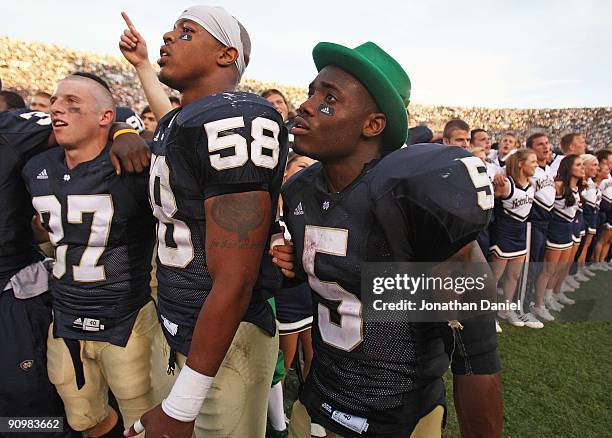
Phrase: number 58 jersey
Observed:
(103, 232)
(225, 143)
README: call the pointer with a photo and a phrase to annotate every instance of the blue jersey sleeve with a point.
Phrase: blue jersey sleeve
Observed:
(26, 132)
(441, 196)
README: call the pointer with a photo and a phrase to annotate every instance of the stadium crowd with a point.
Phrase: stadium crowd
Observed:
(28, 67)
(546, 179)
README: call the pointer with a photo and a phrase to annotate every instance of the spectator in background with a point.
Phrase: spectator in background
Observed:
(278, 101)
(509, 142)
(280, 104)
(149, 120)
(41, 101)
(175, 101)
(419, 134)
(505, 148)
(456, 133)
(48, 63)
(571, 144)
(10, 101)
(479, 138)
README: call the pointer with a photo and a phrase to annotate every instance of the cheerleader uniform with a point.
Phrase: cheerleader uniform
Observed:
(606, 202)
(578, 228)
(591, 197)
(509, 230)
(541, 212)
(561, 227)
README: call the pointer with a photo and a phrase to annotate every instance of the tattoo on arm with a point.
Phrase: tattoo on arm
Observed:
(239, 213)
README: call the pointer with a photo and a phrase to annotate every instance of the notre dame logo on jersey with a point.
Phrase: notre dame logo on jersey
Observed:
(26, 365)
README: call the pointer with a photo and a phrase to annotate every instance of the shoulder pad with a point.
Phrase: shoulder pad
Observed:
(301, 179)
(229, 104)
(45, 159)
(416, 163)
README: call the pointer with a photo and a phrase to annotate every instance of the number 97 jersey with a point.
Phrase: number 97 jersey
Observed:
(220, 144)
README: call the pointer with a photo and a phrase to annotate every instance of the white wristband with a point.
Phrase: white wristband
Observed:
(138, 427)
(187, 395)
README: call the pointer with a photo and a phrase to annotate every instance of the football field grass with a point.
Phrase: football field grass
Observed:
(557, 381)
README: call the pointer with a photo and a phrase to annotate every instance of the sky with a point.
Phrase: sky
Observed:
(503, 54)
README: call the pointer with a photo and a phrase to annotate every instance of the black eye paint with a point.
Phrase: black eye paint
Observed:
(185, 37)
(326, 109)
(74, 110)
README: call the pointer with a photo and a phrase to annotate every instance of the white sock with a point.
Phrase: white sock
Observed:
(548, 293)
(276, 412)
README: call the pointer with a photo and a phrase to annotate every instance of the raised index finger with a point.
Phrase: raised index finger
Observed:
(129, 23)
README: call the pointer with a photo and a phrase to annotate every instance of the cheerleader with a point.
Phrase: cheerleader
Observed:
(604, 233)
(508, 237)
(539, 219)
(591, 198)
(568, 184)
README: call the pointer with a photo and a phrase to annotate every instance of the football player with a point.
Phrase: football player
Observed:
(364, 202)
(25, 312)
(105, 330)
(217, 166)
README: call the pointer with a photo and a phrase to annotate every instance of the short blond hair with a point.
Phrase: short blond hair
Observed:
(588, 157)
(476, 150)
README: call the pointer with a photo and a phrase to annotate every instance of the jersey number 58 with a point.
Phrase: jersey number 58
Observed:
(260, 142)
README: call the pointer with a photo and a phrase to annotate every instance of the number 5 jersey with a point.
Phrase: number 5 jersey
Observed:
(103, 232)
(419, 204)
(225, 143)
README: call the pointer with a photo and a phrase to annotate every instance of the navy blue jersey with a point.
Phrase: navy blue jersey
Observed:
(127, 115)
(421, 203)
(220, 144)
(21, 136)
(103, 232)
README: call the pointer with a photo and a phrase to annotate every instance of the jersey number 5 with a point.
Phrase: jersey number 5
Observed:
(348, 334)
(481, 182)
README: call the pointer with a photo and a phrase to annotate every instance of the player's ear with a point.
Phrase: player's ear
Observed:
(107, 117)
(227, 56)
(374, 124)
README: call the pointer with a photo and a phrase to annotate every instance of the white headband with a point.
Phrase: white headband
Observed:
(221, 25)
